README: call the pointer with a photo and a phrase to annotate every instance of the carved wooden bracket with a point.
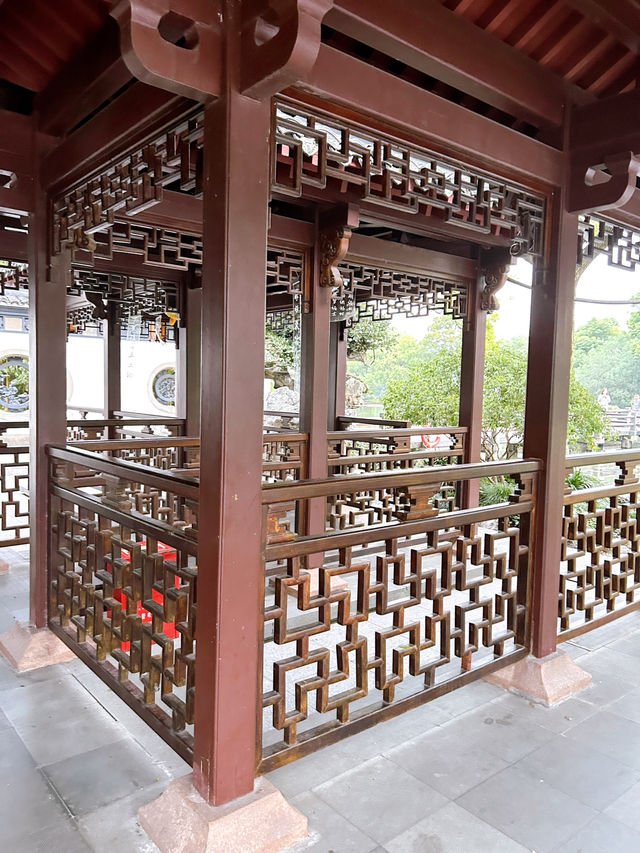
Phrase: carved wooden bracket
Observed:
(334, 245)
(173, 44)
(602, 186)
(627, 473)
(280, 43)
(495, 269)
(178, 44)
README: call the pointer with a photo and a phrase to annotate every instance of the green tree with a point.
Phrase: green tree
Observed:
(592, 336)
(367, 338)
(429, 393)
(615, 365)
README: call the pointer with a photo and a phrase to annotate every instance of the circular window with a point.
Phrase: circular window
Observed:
(163, 386)
(14, 383)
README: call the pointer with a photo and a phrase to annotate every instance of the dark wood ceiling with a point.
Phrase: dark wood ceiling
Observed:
(39, 37)
(592, 44)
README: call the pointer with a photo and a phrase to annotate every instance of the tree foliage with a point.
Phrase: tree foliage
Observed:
(428, 393)
(607, 356)
(367, 338)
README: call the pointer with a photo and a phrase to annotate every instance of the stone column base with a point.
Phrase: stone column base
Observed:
(4, 566)
(26, 647)
(180, 821)
(546, 680)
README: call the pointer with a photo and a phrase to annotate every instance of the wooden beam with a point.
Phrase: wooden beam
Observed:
(16, 163)
(138, 113)
(610, 125)
(363, 249)
(13, 245)
(620, 18)
(434, 40)
(84, 84)
(395, 106)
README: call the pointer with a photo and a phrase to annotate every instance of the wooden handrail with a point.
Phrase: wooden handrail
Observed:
(366, 435)
(383, 422)
(583, 460)
(133, 443)
(176, 483)
(348, 484)
(331, 541)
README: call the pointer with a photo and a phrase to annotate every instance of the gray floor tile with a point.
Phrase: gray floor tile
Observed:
(449, 765)
(28, 805)
(629, 645)
(609, 633)
(94, 779)
(606, 660)
(304, 774)
(468, 697)
(62, 837)
(626, 809)
(453, 829)
(602, 835)
(502, 734)
(15, 758)
(605, 688)
(533, 813)
(573, 650)
(589, 776)
(380, 798)
(611, 735)
(329, 830)
(558, 719)
(627, 706)
(115, 828)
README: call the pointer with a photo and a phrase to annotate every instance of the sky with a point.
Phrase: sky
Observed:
(599, 281)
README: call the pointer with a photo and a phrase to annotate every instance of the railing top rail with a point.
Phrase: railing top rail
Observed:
(332, 541)
(137, 415)
(285, 436)
(179, 485)
(271, 413)
(598, 493)
(384, 422)
(132, 443)
(366, 434)
(120, 422)
(13, 425)
(349, 484)
(379, 458)
(581, 460)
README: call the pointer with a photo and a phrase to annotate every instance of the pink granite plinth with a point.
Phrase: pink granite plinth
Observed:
(180, 821)
(26, 647)
(4, 566)
(546, 680)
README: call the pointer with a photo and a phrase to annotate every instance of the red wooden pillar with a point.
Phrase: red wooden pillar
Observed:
(338, 372)
(47, 391)
(112, 366)
(230, 583)
(546, 413)
(314, 387)
(472, 387)
(188, 362)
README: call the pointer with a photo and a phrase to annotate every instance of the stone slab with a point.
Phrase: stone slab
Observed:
(546, 680)
(4, 566)
(26, 648)
(181, 821)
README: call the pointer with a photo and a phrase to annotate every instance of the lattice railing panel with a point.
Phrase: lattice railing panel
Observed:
(600, 560)
(124, 585)
(393, 615)
(14, 496)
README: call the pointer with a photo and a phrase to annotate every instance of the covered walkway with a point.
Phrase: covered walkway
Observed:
(475, 771)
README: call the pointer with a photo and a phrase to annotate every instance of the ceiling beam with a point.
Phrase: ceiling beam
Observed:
(395, 106)
(619, 18)
(434, 40)
(16, 162)
(139, 112)
(84, 84)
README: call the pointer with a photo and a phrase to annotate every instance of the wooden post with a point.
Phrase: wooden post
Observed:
(230, 582)
(112, 365)
(472, 387)
(314, 389)
(338, 373)
(48, 386)
(547, 411)
(188, 362)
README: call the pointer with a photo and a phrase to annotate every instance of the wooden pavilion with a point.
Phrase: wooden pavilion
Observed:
(308, 162)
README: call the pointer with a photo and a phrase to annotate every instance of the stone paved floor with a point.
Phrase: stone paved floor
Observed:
(477, 771)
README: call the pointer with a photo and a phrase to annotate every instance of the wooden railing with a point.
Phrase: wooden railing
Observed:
(123, 581)
(600, 562)
(398, 612)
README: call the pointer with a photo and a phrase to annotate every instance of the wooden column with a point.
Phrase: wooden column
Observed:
(472, 387)
(338, 373)
(230, 582)
(188, 362)
(47, 391)
(547, 410)
(314, 387)
(112, 365)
